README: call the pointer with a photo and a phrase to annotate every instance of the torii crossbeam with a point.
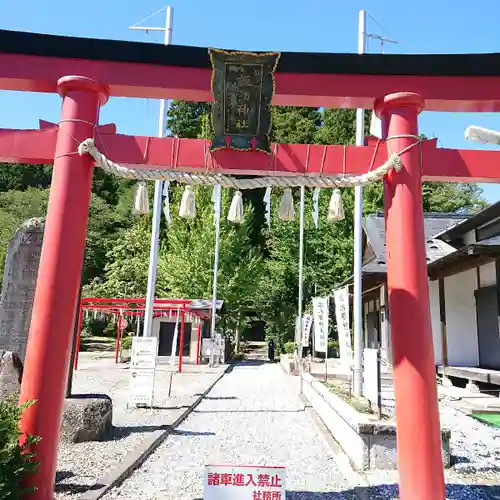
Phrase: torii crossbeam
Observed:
(190, 155)
(397, 87)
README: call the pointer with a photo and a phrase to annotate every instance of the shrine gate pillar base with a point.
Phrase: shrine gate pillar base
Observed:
(50, 334)
(421, 475)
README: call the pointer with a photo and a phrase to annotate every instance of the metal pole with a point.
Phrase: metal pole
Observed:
(155, 231)
(301, 267)
(358, 228)
(216, 270)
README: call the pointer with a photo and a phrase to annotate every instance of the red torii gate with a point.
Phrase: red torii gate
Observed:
(397, 87)
(134, 307)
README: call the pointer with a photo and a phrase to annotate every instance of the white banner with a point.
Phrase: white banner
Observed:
(244, 483)
(142, 370)
(307, 322)
(341, 298)
(320, 313)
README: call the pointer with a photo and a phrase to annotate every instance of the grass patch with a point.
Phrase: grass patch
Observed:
(492, 419)
(360, 405)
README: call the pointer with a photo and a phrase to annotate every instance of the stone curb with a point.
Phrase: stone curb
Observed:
(125, 468)
(357, 481)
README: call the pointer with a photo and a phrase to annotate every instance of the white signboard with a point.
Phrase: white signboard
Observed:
(219, 347)
(341, 298)
(307, 322)
(244, 483)
(206, 345)
(142, 370)
(320, 313)
(142, 384)
(144, 351)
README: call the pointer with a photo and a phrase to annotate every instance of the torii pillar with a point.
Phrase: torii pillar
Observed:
(421, 475)
(59, 277)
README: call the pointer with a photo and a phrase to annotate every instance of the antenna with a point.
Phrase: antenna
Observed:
(381, 39)
(168, 25)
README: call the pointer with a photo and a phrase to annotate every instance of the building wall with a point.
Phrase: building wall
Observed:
(435, 321)
(193, 348)
(487, 275)
(462, 346)
(461, 322)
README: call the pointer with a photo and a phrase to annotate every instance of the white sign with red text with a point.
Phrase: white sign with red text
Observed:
(244, 483)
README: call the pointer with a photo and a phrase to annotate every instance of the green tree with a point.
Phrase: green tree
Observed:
(18, 206)
(186, 261)
(185, 118)
(126, 270)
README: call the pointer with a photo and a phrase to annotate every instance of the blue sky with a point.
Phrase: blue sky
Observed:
(438, 26)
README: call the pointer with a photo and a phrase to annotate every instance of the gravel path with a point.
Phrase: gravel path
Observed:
(251, 417)
(475, 446)
(81, 465)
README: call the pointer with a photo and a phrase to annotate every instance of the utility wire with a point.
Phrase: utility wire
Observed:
(379, 25)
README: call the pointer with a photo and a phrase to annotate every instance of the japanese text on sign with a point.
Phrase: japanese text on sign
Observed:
(341, 298)
(320, 313)
(307, 321)
(252, 483)
(242, 100)
(142, 372)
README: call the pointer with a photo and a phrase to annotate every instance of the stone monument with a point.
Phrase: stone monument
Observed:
(19, 282)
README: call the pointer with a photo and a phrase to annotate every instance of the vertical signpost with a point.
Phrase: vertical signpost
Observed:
(142, 371)
(320, 314)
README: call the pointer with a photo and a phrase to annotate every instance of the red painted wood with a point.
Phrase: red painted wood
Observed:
(56, 295)
(109, 128)
(440, 164)
(40, 74)
(418, 432)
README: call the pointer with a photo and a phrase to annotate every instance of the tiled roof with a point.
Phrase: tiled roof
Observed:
(434, 223)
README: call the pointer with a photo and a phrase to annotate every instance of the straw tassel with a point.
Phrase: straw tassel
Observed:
(336, 207)
(187, 209)
(236, 210)
(141, 200)
(286, 210)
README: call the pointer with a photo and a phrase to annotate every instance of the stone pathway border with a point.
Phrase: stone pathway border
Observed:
(134, 460)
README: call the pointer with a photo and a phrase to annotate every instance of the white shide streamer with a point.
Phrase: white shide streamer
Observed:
(316, 207)
(267, 201)
(166, 203)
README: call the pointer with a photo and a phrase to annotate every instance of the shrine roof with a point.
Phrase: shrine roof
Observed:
(36, 44)
(488, 214)
(434, 224)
